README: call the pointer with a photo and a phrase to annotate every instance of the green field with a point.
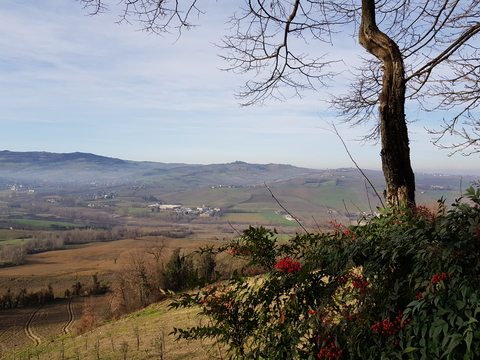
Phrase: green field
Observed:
(250, 218)
(275, 218)
(6, 234)
(15, 242)
(271, 218)
(222, 197)
(44, 223)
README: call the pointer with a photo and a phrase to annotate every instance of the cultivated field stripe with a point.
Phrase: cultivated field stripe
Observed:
(71, 317)
(28, 328)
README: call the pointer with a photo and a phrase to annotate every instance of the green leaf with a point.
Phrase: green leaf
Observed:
(468, 339)
(460, 304)
(437, 330)
(472, 320)
(456, 339)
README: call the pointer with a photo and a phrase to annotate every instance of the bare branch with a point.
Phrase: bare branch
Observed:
(153, 16)
(269, 38)
(335, 131)
(288, 212)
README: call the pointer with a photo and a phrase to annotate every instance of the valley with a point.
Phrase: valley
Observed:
(70, 219)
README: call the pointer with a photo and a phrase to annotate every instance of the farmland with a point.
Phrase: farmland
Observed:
(36, 324)
(44, 224)
(89, 230)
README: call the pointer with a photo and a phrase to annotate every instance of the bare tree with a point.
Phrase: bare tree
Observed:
(425, 52)
(156, 248)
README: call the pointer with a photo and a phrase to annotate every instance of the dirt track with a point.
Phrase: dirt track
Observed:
(71, 317)
(28, 327)
(34, 325)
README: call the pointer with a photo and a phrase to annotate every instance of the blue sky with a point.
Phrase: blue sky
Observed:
(70, 82)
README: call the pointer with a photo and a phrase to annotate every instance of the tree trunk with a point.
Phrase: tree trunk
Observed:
(395, 153)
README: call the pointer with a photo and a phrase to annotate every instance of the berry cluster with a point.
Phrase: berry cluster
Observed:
(288, 265)
(325, 318)
(330, 352)
(438, 277)
(347, 313)
(424, 213)
(313, 312)
(217, 303)
(358, 282)
(336, 225)
(391, 328)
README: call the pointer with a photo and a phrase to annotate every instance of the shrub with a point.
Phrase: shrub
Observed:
(404, 286)
(178, 271)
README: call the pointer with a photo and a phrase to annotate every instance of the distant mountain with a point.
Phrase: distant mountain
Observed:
(47, 158)
(44, 169)
(81, 167)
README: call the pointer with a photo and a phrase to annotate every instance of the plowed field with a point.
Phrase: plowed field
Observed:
(34, 325)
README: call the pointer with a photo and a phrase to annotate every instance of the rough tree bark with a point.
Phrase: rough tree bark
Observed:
(395, 153)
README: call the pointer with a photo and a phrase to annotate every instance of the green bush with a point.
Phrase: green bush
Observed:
(404, 286)
(178, 272)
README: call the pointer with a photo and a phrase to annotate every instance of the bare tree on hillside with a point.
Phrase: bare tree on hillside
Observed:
(425, 52)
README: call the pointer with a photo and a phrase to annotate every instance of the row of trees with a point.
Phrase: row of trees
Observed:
(13, 255)
(23, 297)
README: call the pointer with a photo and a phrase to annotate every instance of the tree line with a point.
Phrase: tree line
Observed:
(13, 255)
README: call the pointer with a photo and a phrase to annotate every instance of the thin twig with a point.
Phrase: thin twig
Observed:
(238, 232)
(461, 192)
(318, 226)
(355, 205)
(368, 198)
(348, 213)
(356, 165)
(288, 212)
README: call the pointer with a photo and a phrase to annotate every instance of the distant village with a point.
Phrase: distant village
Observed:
(202, 211)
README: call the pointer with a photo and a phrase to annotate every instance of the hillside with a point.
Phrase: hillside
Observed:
(140, 335)
(107, 190)
(83, 167)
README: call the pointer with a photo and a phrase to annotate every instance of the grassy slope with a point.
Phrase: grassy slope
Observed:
(152, 323)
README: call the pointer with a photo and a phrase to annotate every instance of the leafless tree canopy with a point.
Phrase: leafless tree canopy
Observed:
(155, 16)
(438, 41)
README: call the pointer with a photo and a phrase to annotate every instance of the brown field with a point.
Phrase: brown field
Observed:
(250, 218)
(42, 331)
(36, 325)
(61, 269)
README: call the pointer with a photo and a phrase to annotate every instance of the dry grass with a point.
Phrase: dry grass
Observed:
(150, 327)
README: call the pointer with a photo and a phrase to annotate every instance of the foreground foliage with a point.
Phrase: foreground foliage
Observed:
(403, 286)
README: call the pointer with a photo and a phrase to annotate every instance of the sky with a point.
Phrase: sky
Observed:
(75, 83)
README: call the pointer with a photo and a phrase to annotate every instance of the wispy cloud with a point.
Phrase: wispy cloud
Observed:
(70, 82)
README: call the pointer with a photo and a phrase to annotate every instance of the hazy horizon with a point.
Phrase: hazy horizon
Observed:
(74, 83)
(352, 166)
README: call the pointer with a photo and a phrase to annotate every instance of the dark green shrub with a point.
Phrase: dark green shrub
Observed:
(404, 286)
(178, 271)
